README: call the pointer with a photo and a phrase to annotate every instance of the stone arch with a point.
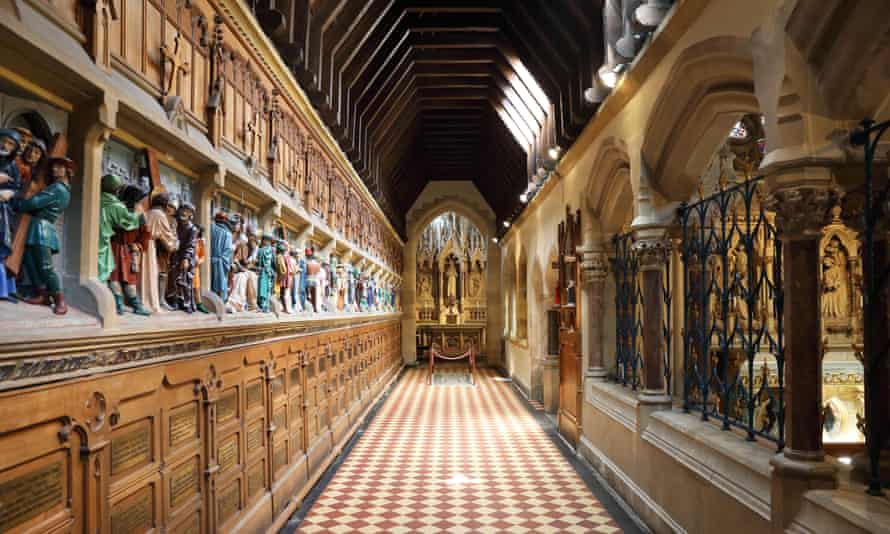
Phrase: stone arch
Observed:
(418, 218)
(710, 88)
(608, 196)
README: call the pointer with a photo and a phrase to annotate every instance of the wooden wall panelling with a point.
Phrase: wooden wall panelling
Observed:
(184, 446)
(337, 406)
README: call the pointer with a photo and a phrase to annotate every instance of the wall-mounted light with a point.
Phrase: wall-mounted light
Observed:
(506, 224)
(554, 152)
(494, 240)
(523, 198)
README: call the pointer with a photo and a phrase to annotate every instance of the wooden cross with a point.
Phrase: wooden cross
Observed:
(177, 63)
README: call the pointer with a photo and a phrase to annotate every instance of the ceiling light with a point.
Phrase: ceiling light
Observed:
(506, 224)
(608, 77)
(523, 198)
(554, 152)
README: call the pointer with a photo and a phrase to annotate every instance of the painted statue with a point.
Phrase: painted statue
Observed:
(322, 287)
(114, 217)
(285, 276)
(127, 248)
(156, 260)
(222, 251)
(10, 184)
(42, 241)
(32, 170)
(243, 296)
(200, 257)
(313, 268)
(184, 261)
(341, 287)
(265, 263)
(303, 283)
(293, 265)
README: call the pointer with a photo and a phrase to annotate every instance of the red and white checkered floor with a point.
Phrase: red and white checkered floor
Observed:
(456, 459)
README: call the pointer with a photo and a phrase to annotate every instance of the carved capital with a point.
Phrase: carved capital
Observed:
(594, 266)
(652, 253)
(801, 212)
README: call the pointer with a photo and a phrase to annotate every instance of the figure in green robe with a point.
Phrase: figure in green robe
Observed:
(266, 276)
(42, 240)
(114, 216)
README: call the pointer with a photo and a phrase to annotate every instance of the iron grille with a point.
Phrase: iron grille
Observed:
(733, 352)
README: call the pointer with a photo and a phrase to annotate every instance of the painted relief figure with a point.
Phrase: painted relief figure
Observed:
(221, 253)
(184, 260)
(10, 184)
(201, 257)
(266, 274)
(163, 243)
(42, 240)
(127, 248)
(114, 218)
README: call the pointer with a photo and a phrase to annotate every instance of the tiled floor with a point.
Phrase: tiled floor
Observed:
(456, 459)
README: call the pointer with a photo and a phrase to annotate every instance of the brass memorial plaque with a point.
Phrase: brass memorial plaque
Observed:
(255, 437)
(184, 425)
(256, 479)
(131, 449)
(133, 514)
(27, 496)
(227, 454)
(227, 407)
(254, 395)
(183, 483)
(229, 502)
(279, 457)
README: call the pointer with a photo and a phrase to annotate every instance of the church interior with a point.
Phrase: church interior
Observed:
(445, 266)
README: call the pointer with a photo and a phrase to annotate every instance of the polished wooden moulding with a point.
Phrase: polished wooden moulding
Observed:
(227, 442)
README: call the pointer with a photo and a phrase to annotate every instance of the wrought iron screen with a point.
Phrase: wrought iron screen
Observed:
(733, 352)
(628, 312)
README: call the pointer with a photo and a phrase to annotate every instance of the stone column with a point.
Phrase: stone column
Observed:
(595, 268)
(652, 253)
(801, 198)
(800, 215)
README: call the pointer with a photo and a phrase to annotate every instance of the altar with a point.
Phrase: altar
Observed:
(451, 339)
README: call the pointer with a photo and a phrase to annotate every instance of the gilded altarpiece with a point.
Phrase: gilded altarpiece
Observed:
(451, 284)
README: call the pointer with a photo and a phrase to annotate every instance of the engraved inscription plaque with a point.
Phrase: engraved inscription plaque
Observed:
(183, 483)
(227, 407)
(133, 514)
(227, 454)
(256, 479)
(254, 395)
(255, 437)
(229, 502)
(27, 496)
(183, 425)
(130, 449)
